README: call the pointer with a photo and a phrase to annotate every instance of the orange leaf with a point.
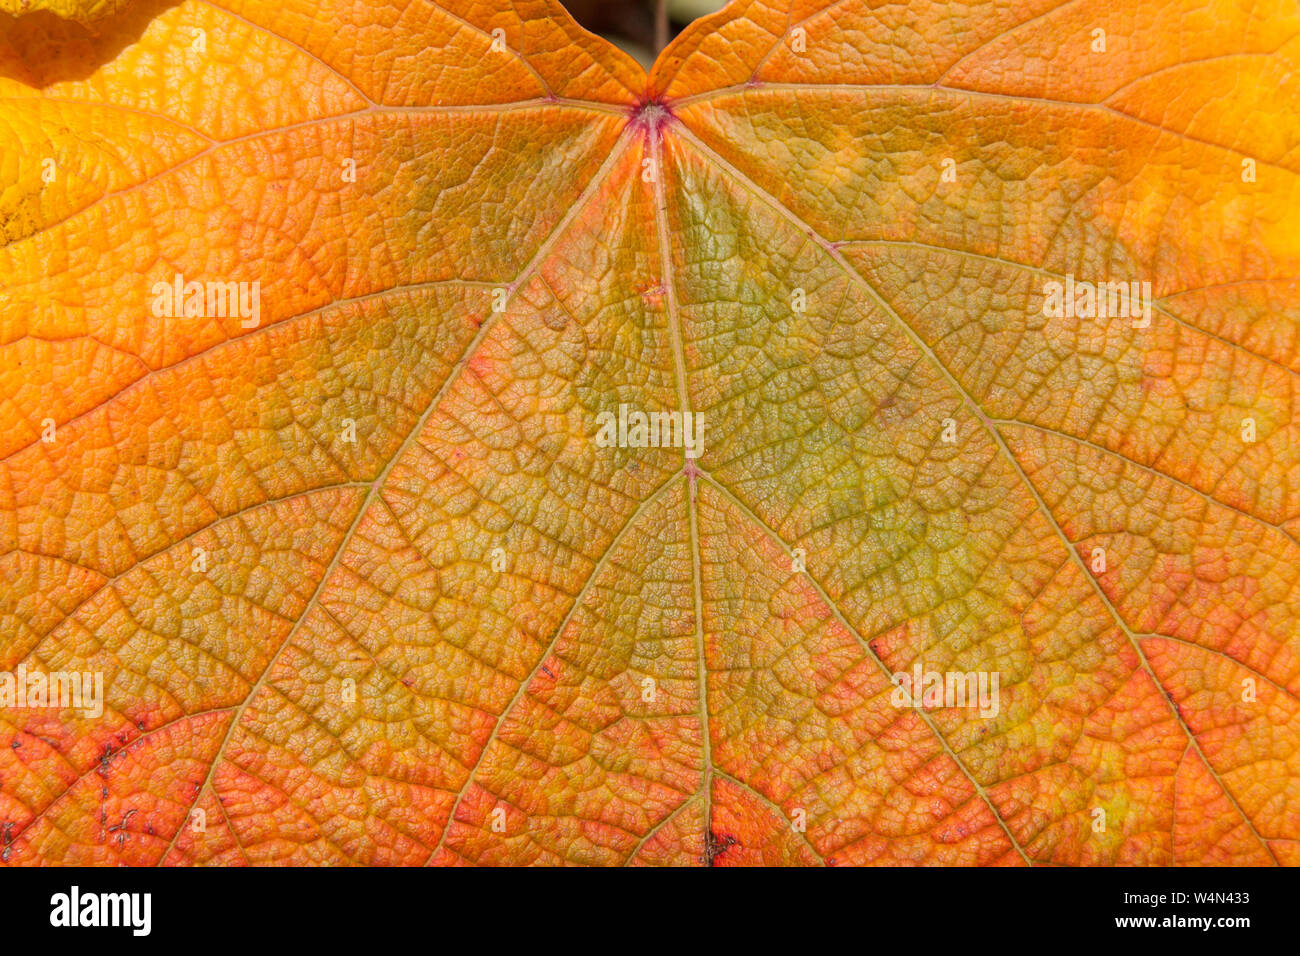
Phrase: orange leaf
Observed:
(869, 438)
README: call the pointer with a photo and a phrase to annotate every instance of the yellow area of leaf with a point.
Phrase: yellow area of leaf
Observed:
(363, 588)
(82, 11)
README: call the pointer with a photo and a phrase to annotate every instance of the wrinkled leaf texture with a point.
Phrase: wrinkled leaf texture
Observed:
(650, 234)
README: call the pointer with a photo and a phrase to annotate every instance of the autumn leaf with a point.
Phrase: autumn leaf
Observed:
(333, 527)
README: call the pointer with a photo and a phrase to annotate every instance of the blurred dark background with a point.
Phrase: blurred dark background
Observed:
(641, 27)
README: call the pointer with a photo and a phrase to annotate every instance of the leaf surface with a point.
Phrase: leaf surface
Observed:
(81, 11)
(434, 621)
